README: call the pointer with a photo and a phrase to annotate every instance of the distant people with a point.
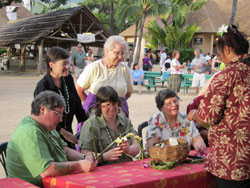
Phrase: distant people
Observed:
(146, 62)
(163, 58)
(108, 71)
(137, 75)
(168, 60)
(60, 81)
(105, 126)
(35, 149)
(176, 72)
(169, 122)
(166, 73)
(215, 65)
(151, 56)
(90, 57)
(78, 60)
(198, 65)
(225, 107)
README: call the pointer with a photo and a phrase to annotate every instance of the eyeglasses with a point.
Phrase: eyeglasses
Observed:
(176, 102)
(118, 53)
(109, 104)
(58, 114)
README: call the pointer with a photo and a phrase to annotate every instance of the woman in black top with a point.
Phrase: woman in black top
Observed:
(59, 80)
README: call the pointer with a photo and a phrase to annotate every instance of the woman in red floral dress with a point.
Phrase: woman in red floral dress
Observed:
(226, 107)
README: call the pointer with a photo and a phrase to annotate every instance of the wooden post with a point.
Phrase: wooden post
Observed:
(80, 24)
(22, 63)
(212, 45)
(8, 57)
(40, 67)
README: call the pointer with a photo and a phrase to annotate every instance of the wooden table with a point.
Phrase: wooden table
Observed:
(134, 174)
(15, 183)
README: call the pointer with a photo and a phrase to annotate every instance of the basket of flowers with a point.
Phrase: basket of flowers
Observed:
(165, 151)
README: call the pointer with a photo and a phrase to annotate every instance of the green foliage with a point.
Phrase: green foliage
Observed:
(186, 54)
(3, 51)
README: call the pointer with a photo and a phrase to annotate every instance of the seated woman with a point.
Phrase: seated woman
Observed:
(106, 125)
(169, 122)
(137, 75)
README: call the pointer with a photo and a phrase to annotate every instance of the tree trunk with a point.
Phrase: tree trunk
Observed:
(22, 63)
(8, 57)
(234, 7)
(112, 17)
(138, 51)
(134, 45)
(40, 56)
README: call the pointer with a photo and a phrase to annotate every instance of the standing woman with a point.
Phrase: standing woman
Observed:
(146, 62)
(176, 72)
(108, 71)
(226, 107)
(59, 80)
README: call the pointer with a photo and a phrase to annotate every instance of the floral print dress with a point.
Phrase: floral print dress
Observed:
(226, 107)
(158, 127)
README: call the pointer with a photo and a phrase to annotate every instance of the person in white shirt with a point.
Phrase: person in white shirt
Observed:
(176, 72)
(163, 57)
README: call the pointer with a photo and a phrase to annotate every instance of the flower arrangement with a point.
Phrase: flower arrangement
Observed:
(123, 137)
(222, 30)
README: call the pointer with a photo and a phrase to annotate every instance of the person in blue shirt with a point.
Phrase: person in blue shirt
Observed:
(165, 73)
(137, 75)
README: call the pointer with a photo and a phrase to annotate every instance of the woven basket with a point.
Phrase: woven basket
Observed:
(170, 153)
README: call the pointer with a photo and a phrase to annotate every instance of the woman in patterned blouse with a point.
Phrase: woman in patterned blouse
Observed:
(226, 107)
(169, 122)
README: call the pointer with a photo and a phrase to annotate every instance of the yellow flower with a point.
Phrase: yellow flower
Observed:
(118, 141)
(124, 138)
(130, 135)
(138, 138)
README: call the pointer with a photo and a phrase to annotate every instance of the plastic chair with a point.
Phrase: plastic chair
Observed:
(3, 148)
(140, 127)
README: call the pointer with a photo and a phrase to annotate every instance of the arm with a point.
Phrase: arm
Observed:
(152, 141)
(128, 95)
(199, 144)
(81, 92)
(62, 168)
(132, 149)
(68, 136)
(179, 67)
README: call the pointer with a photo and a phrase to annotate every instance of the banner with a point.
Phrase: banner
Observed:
(86, 38)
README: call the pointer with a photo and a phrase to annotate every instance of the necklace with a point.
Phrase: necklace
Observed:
(66, 98)
(108, 77)
(108, 133)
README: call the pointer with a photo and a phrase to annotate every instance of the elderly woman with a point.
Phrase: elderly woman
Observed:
(60, 81)
(226, 107)
(109, 71)
(105, 126)
(169, 122)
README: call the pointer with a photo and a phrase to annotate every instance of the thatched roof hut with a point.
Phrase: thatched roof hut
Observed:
(58, 28)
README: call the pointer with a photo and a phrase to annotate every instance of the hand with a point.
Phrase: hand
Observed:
(191, 115)
(113, 154)
(200, 147)
(87, 166)
(125, 146)
(68, 136)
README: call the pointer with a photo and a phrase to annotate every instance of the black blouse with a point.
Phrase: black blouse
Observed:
(46, 83)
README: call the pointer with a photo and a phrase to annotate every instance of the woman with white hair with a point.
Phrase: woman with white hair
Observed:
(108, 71)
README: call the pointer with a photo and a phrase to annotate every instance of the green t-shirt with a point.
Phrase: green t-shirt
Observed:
(31, 150)
(102, 139)
(78, 59)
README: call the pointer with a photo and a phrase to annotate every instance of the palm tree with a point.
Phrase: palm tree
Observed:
(234, 7)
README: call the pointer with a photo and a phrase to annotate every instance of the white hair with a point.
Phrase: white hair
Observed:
(109, 44)
(197, 50)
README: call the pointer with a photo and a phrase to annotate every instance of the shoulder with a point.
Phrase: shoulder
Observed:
(123, 119)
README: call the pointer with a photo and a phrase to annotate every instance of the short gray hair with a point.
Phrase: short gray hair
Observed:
(49, 99)
(109, 44)
(197, 50)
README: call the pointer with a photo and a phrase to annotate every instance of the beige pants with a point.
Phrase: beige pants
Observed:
(78, 71)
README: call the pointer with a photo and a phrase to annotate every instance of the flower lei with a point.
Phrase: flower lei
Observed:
(222, 30)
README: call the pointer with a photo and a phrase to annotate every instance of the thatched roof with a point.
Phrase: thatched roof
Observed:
(52, 26)
(217, 12)
(22, 12)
